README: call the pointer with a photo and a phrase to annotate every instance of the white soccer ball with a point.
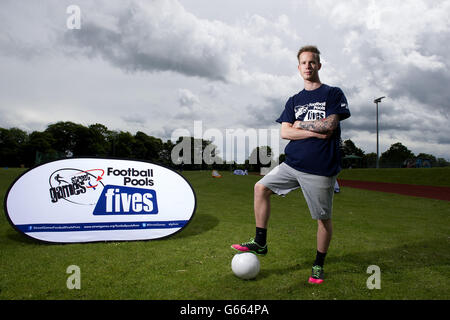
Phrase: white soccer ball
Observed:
(245, 265)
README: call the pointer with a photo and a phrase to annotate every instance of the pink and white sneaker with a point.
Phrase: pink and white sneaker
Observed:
(316, 275)
(250, 246)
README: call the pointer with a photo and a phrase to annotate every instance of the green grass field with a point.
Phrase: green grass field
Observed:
(407, 237)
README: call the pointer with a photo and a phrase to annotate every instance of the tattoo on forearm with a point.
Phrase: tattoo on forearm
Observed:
(320, 126)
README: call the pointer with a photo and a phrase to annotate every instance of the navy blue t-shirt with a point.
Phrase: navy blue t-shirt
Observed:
(313, 155)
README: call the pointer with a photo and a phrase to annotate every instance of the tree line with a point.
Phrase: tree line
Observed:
(397, 156)
(68, 139)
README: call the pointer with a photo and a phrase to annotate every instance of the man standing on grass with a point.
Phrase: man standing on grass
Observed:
(310, 120)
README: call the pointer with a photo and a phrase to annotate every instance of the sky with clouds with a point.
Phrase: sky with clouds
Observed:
(160, 66)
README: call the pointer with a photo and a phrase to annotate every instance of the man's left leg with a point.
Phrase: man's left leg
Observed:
(318, 192)
(324, 234)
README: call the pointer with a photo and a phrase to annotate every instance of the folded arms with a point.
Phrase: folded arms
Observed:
(322, 128)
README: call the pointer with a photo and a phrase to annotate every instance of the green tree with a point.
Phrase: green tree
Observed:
(425, 156)
(12, 146)
(69, 138)
(40, 148)
(370, 160)
(190, 153)
(164, 156)
(83, 142)
(147, 147)
(349, 148)
(441, 162)
(123, 143)
(395, 156)
(259, 157)
(98, 143)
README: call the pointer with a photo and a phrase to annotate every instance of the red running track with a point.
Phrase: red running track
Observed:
(440, 193)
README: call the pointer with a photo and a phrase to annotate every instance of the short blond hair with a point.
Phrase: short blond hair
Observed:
(312, 49)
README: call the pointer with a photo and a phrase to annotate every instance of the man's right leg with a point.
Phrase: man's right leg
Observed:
(261, 204)
(281, 181)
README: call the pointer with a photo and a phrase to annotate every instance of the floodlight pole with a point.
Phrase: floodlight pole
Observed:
(376, 101)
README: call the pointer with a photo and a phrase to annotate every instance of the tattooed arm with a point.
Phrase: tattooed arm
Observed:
(290, 132)
(322, 126)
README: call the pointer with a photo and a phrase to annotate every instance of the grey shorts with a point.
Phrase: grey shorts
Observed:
(317, 190)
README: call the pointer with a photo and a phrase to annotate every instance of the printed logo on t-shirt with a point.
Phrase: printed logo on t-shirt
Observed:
(313, 115)
(310, 111)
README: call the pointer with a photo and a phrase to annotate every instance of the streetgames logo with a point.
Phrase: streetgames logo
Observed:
(76, 186)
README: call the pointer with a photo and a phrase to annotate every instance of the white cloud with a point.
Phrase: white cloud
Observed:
(396, 49)
(134, 118)
(187, 98)
(159, 65)
(163, 36)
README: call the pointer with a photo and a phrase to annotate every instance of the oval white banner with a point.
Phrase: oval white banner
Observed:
(93, 199)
